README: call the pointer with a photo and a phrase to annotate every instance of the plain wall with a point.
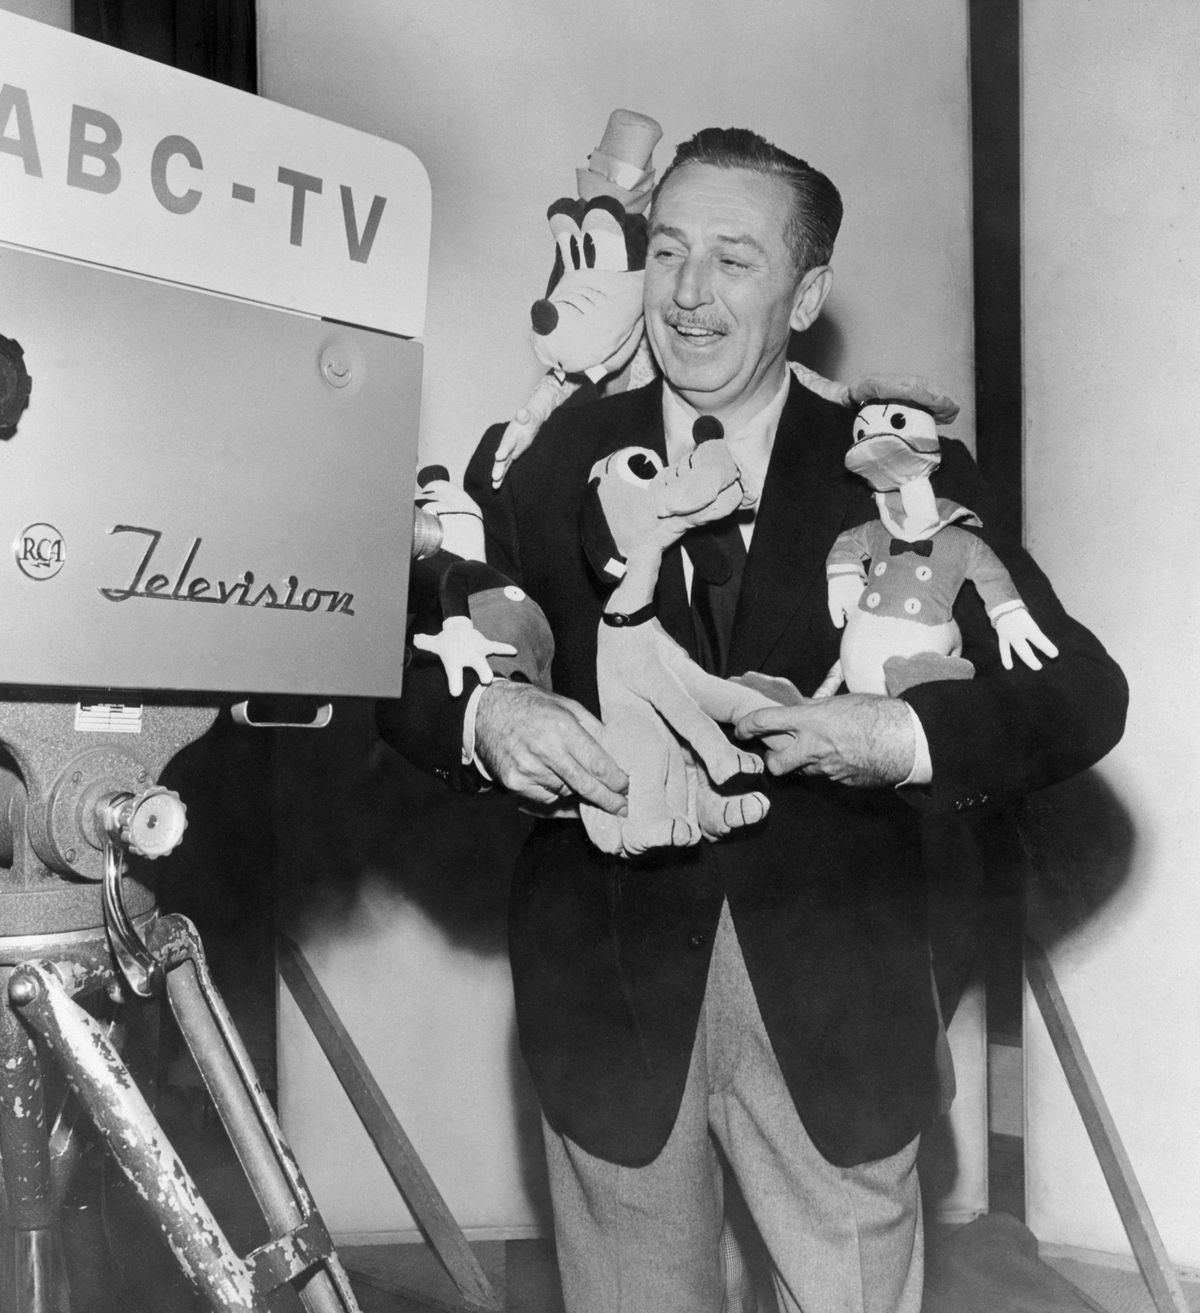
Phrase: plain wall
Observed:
(55, 12)
(502, 101)
(1111, 141)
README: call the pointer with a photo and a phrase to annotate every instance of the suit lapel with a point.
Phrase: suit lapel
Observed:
(802, 509)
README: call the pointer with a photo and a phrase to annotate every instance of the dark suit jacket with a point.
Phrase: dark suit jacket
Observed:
(829, 895)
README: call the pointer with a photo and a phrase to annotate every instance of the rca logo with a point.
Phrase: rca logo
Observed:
(40, 551)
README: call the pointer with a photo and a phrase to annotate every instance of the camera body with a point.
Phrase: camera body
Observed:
(201, 494)
(209, 382)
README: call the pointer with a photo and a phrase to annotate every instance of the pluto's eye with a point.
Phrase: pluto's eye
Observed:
(899, 419)
(636, 465)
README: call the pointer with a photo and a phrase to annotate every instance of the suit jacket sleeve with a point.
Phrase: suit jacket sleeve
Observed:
(1004, 733)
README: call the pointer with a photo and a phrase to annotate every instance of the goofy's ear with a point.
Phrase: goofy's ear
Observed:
(598, 544)
(637, 240)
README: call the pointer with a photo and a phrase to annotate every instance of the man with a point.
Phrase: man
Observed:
(766, 999)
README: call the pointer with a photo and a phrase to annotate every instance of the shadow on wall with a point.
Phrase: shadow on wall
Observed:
(284, 826)
(347, 805)
(1079, 841)
(1045, 866)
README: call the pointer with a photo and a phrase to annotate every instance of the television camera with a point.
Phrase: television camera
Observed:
(209, 394)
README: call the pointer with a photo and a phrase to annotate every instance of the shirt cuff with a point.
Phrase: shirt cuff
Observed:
(468, 733)
(922, 769)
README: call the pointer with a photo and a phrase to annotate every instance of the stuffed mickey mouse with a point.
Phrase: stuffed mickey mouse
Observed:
(464, 612)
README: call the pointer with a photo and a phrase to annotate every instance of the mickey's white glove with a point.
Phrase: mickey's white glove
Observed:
(1018, 632)
(460, 646)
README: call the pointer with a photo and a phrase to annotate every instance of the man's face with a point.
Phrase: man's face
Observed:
(722, 294)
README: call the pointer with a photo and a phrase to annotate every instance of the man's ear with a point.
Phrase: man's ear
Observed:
(810, 296)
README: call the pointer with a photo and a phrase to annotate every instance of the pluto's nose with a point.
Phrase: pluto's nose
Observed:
(544, 317)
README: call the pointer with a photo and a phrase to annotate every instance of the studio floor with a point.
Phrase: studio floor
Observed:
(988, 1266)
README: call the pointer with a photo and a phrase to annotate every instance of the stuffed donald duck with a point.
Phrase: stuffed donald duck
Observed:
(893, 581)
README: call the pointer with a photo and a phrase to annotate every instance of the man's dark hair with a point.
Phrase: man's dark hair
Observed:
(816, 205)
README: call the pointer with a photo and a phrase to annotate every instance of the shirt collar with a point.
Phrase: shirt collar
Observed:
(750, 445)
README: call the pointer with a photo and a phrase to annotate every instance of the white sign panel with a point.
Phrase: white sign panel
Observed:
(122, 161)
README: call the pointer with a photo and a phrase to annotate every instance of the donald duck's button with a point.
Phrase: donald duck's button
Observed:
(880, 567)
(923, 573)
(912, 605)
(873, 600)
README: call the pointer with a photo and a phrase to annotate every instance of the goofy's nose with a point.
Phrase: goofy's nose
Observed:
(544, 317)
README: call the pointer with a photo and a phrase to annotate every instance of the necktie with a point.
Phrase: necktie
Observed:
(718, 557)
(898, 546)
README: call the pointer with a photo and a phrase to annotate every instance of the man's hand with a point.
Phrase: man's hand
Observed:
(544, 747)
(857, 739)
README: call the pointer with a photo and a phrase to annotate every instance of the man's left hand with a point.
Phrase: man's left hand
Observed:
(856, 739)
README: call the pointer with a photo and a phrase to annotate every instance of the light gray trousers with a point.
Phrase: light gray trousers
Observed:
(648, 1239)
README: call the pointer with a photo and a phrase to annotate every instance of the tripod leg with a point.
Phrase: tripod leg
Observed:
(124, 1119)
(34, 1278)
(246, 1112)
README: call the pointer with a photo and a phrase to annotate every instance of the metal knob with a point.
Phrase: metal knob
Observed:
(148, 824)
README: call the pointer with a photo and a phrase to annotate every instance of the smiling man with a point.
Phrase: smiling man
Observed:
(725, 288)
(765, 1000)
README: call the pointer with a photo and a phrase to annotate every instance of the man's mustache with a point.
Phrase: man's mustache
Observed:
(706, 325)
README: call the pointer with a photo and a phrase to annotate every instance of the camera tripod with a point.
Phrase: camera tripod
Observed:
(77, 794)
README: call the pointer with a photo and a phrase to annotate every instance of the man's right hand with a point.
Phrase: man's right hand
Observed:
(544, 747)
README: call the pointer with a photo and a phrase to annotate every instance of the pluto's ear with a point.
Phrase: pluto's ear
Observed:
(598, 544)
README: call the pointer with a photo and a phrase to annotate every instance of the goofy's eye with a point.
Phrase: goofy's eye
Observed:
(899, 419)
(603, 240)
(641, 466)
(567, 237)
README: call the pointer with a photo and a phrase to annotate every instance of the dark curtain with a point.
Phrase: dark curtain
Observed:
(995, 35)
(212, 38)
